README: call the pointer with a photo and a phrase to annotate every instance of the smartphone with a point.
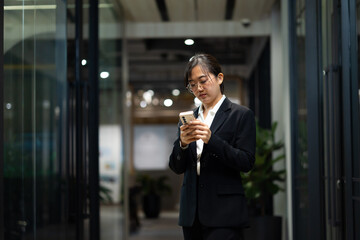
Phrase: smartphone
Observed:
(186, 117)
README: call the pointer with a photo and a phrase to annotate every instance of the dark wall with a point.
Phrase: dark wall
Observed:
(260, 89)
(260, 99)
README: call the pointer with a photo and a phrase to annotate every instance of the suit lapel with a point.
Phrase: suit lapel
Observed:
(221, 115)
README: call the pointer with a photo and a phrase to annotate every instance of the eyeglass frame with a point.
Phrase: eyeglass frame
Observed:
(202, 83)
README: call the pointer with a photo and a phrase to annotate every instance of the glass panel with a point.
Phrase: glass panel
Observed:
(330, 30)
(356, 219)
(111, 128)
(35, 196)
(357, 163)
(301, 166)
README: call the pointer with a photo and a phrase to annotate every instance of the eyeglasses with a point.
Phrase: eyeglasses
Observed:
(193, 86)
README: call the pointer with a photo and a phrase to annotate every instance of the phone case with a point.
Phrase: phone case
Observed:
(186, 117)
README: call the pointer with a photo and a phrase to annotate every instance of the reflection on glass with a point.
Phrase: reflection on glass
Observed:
(35, 196)
(356, 167)
(111, 129)
(301, 166)
(357, 163)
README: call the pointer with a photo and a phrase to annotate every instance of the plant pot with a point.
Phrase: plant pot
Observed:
(264, 227)
(151, 205)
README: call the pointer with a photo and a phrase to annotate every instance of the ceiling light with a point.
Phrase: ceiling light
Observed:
(189, 42)
(176, 92)
(148, 96)
(151, 92)
(168, 102)
(8, 106)
(83, 62)
(50, 6)
(143, 104)
(29, 7)
(104, 75)
(155, 101)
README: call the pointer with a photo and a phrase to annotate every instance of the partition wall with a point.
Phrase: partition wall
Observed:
(49, 80)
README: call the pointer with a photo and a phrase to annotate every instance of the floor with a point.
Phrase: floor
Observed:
(163, 228)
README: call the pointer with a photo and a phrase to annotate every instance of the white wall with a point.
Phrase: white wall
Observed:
(280, 104)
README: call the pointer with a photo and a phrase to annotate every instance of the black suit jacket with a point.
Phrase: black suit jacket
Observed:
(218, 196)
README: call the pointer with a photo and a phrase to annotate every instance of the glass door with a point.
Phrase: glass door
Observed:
(355, 165)
(35, 192)
(332, 139)
(301, 186)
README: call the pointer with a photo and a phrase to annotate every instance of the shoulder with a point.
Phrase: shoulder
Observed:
(239, 108)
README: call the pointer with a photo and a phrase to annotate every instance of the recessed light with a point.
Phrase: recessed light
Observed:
(175, 92)
(143, 104)
(168, 102)
(189, 42)
(104, 75)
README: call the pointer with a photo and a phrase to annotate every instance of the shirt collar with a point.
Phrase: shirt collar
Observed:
(213, 110)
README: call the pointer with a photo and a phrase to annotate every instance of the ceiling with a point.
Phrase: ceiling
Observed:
(195, 10)
(158, 59)
(232, 30)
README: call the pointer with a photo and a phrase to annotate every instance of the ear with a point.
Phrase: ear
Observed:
(220, 78)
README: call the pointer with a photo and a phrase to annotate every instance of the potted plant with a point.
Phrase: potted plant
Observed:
(262, 183)
(152, 189)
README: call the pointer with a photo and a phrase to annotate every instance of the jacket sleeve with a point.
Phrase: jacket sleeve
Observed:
(178, 157)
(241, 154)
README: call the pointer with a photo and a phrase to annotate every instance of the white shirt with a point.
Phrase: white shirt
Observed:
(208, 121)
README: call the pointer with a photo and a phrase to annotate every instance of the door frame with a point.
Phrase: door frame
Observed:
(350, 106)
(1, 118)
(93, 121)
(314, 119)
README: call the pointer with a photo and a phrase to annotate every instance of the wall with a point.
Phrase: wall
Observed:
(280, 104)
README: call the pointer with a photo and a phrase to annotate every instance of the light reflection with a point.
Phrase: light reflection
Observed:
(168, 102)
(175, 92)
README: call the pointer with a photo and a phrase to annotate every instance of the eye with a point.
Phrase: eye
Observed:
(192, 84)
(203, 82)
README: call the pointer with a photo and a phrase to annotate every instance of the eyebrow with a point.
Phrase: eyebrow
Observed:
(200, 77)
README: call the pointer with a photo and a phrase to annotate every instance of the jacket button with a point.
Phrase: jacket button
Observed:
(201, 185)
(178, 157)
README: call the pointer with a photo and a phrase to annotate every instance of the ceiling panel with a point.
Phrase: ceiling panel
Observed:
(241, 9)
(211, 10)
(141, 10)
(253, 10)
(181, 11)
(268, 6)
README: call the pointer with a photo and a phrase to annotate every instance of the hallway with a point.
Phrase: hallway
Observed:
(163, 228)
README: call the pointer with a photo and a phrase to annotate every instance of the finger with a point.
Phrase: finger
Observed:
(195, 122)
(183, 127)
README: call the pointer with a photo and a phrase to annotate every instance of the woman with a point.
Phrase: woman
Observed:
(211, 151)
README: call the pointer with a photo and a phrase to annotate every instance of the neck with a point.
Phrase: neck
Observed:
(212, 104)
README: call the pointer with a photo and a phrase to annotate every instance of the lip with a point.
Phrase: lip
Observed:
(202, 95)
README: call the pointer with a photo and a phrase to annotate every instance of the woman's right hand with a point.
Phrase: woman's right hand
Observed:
(186, 135)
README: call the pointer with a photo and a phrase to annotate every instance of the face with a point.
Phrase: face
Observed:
(205, 86)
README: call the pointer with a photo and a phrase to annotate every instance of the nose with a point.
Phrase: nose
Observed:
(199, 85)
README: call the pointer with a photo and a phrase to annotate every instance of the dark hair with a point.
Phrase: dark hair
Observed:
(207, 62)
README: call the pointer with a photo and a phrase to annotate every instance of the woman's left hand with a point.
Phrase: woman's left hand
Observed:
(200, 130)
